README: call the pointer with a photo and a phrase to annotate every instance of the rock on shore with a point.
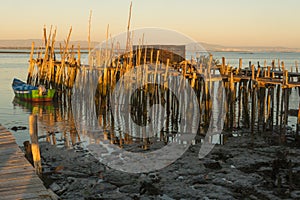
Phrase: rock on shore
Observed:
(243, 168)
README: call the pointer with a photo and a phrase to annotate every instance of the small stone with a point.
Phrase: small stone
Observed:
(295, 194)
(154, 177)
(212, 165)
(149, 188)
(252, 197)
(165, 197)
(54, 187)
(71, 179)
(16, 128)
(199, 180)
(180, 178)
(131, 189)
(104, 187)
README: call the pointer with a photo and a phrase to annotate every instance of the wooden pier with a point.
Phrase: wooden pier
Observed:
(18, 178)
(258, 96)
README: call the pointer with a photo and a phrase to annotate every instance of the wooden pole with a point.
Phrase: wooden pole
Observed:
(31, 65)
(223, 65)
(245, 113)
(166, 74)
(156, 65)
(263, 113)
(272, 109)
(231, 100)
(278, 105)
(253, 108)
(128, 28)
(89, 33)
(240, 88)
(253, 71)
(33, 131)
(286, 75)
(269, 72)
(298, 124)
(273, 65)
(79, 56)
(240, 65)
(151, 57)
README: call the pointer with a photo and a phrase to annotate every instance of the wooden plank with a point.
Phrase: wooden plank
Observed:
(22, 187)
(5, 133)
(34, 190)
(27, 194)
(16, 174)
(2, 143)
(8, 151)
(8, 144)
(3, 130)
(6, 138)
(16, 155)
(13, 177)
(12, 183)
(17, 169)
(15, 183)
(21, 196)
(18, 178)
(15, 163)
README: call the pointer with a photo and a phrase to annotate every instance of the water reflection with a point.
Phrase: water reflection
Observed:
(55, 121)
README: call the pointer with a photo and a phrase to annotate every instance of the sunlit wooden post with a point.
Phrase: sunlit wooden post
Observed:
(31, 65)
(298, 121)
(240, 65)
(223, 66)
(253, 106)
(33, 131)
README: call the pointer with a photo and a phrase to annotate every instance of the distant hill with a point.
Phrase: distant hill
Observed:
(213, 47)
(26, 44)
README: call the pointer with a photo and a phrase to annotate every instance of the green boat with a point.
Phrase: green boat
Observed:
(27, 92)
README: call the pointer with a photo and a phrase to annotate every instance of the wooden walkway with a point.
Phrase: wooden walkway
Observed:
(17, 176)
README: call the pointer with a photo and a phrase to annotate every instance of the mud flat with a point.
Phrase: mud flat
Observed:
(245, 167)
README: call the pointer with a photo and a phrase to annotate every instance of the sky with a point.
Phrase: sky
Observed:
(222, 22)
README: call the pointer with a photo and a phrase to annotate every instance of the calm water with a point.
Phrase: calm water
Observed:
(16, 114)
(12, 65)
(232, 58)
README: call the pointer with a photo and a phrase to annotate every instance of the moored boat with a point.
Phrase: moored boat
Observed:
(28, 92)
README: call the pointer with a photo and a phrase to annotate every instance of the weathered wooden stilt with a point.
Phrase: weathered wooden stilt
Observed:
(253, 105)
(33, 131)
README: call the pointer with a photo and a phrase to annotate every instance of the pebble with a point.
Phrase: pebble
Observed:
(54, 187)
(295, 194)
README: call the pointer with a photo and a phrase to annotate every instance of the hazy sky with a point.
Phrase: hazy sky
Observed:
(224, 22)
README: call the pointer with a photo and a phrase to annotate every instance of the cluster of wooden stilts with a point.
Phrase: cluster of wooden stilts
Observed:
(257, 97)
(53, 68)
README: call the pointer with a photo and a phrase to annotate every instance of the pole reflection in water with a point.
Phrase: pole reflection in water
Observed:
(102, 119)
(55, 122)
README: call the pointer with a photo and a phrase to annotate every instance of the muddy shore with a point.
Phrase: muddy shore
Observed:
(244, 168)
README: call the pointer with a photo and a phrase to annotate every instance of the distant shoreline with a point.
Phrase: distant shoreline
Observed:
(27, 50)
(24, 46)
